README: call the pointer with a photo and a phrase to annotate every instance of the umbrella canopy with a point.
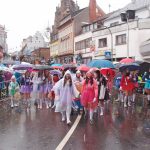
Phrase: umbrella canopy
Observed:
(4, 68)
(56, 65)
(42, 67)
(69, 66)
(127, 61)
(23, 67)
(131, 67)
(101, 64)
(83, 68)
(105, 71)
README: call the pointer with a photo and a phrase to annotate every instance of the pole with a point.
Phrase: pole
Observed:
(128, 38)
(111, 42)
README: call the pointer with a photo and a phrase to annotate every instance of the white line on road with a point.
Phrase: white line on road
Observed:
(68, 135)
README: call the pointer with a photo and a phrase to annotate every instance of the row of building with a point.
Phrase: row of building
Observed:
(3, 38)
(79, 35)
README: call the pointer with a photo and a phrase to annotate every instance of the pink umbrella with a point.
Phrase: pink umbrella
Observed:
(127, 61)
(83, 68)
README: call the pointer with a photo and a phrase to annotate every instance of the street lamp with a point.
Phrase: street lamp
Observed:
(126, 17)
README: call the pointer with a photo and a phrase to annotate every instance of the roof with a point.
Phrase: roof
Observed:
(135, 5)
(73, 14)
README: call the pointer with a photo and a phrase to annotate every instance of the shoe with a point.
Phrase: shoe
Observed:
(117, 100)
(125, 105)
(129, 104)
(85, 116)
(69, 123)
(91, 122)
(40, 107)
(12, 106)
(101, 114)
(47, 107)
(63, 119)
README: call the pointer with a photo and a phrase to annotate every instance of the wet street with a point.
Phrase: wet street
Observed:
(119, 129)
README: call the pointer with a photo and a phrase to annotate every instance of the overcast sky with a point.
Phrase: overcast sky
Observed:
(24, 17)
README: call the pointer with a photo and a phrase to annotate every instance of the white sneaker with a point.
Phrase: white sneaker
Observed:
(129, 104)
(63, 119)
(117, 100)
(68, 122)
(101, 114)
(12, 106)
(125, 105)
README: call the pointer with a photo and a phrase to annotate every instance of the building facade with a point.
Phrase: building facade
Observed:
(114, 39)
(70, 25)
(3, 38)
(33, 42)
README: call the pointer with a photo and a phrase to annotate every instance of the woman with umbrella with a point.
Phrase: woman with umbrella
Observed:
(47, 87)
(89, 95)
(127, 86)
(147, 86)
(26, 87)
(102, 85)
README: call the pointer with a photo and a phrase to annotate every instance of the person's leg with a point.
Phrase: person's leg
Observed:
(101, 108)
(68, 113)
(148, 97)
(125, 99)
(63, 116)
(12, 102)
(91, 116)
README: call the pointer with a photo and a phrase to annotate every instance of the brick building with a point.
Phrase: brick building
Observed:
(68, 23)
(41, 53)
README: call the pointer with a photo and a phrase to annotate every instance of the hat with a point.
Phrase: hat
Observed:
(78, 72)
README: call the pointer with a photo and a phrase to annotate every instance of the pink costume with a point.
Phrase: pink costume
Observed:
(89, 92)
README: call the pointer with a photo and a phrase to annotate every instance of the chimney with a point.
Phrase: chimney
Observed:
(92, 10)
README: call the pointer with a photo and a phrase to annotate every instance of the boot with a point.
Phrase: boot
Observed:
(133, 99)
(129, 100)
(68, 112)
(102, 111)
(91, 117)
(12, 103)
(41, 103)
(63, 116)
(125, 101)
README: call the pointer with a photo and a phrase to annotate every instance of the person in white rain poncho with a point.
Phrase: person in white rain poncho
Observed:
(65, 91)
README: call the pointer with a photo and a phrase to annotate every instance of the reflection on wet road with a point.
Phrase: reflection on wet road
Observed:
(118, 129)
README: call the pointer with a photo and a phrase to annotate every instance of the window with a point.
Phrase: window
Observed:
(121, 39)
(87, 42)
(102, 43)
(83, 44)
(114, 24)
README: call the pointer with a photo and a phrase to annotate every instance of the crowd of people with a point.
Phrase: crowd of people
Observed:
(86, 92)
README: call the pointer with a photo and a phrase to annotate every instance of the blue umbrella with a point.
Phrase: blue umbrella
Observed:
(56, 65)
(130, 67)
(101, 64)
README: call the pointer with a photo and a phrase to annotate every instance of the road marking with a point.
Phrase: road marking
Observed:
(68, 135)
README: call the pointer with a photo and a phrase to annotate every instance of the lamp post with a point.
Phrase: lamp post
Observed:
(111, 41)
(126, 17)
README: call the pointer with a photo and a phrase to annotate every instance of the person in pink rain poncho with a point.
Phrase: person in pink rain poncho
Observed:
(89, 95)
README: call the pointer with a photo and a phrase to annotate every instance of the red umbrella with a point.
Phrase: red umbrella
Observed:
(83, 68)
(127, 61)
(105, 71)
